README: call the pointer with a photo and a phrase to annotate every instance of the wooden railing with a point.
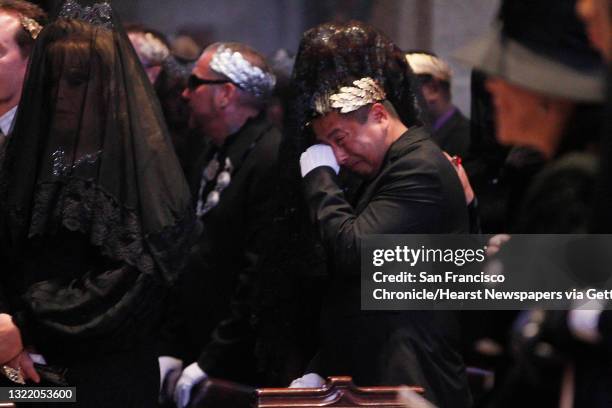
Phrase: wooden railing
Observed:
(337, 392)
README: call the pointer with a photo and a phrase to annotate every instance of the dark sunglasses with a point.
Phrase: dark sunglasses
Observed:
(194, 82)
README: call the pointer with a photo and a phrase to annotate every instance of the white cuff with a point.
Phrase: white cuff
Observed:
(168, 364)
(191, 376)
(584, 323)
(316, 156)
(37, 358)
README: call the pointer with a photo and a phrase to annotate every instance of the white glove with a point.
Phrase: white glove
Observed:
(191, 376)
(316, 156)
(167, 365)
(583, 322)
(310, 380)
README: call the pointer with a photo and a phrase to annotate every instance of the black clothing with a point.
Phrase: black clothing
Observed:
(222, 268)
(485, 159)
(416, 191)
(560, 197)
(454, 135)
(292, 280)
(95, 213)
(560, 200)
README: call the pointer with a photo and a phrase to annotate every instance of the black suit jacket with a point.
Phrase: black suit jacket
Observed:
(454, 135)
(215, 294)
(416, 191)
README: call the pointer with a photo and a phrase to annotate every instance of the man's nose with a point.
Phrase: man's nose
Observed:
(341, 156)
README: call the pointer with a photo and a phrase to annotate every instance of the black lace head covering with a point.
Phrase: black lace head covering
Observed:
(333, 55)
(90, 151)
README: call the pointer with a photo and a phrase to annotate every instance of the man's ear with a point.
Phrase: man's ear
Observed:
(225, 95)
(379, 113)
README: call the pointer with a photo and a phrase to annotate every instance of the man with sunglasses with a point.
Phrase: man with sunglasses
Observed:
(233, 187)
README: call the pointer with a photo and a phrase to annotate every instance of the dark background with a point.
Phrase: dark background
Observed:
(440, 26)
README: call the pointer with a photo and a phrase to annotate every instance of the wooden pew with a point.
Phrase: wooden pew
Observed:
(337, 392)
(214, 393)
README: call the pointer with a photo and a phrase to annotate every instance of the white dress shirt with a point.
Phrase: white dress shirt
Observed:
(6, 121)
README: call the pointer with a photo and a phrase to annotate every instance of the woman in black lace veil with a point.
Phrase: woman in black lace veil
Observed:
(95, 213)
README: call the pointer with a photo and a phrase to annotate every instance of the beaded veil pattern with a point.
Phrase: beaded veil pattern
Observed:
(99, 14)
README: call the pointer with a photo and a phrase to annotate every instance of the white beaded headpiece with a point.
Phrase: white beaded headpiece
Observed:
(350, 98)
(99, 14)
(248, 77)
(150, 48)
(430, 65)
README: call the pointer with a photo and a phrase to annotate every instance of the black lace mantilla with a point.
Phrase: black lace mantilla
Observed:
(81, 206)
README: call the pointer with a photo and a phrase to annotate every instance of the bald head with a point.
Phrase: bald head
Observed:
(230, 83)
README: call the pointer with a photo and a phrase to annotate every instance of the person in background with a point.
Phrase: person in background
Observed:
(151, 47)
(169, 78)
(20, 24)
(548, 88)
(233, 187)
(282, 64)
(450, 129)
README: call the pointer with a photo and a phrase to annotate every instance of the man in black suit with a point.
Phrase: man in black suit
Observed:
(233, 187)
(363, 123)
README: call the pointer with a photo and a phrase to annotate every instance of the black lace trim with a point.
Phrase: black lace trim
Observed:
(82, 206)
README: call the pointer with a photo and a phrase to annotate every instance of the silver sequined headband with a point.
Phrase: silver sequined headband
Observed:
(350, 98)
(99, 14)
(248, 77)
